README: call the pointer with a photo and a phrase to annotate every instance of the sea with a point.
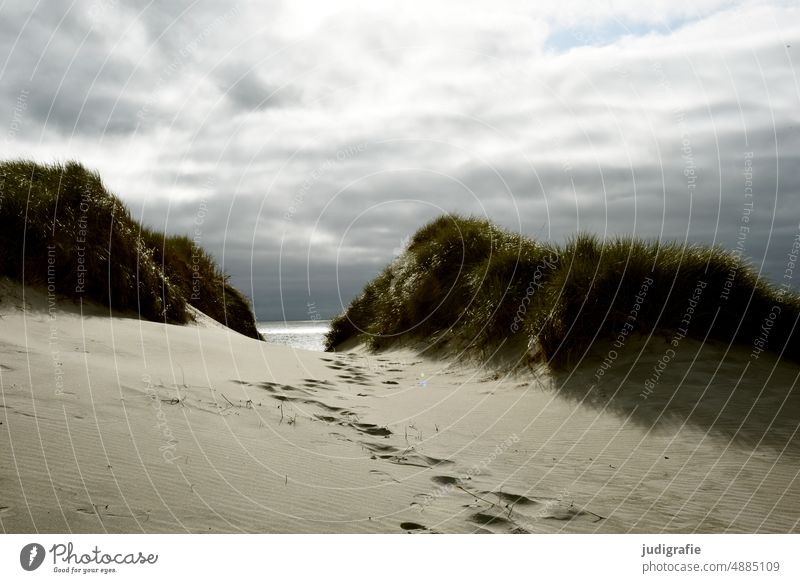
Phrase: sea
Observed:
(305, 334)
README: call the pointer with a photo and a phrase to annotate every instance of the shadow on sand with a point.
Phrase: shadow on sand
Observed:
(724, 392)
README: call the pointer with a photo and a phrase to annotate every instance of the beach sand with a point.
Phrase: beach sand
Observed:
(121, 425)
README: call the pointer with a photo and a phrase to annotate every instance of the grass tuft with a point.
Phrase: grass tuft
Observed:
(466, 282)
(60, 227)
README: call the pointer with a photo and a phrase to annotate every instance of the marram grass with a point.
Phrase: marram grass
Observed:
(61, 228)
(469, 285)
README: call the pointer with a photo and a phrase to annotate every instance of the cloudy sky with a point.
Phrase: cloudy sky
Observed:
(307, 139)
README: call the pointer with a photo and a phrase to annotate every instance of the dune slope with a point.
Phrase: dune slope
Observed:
(61, 227)
(465, 287)
(122, 425)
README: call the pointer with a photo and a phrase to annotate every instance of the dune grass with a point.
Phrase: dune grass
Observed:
(60, 227)
(465, 283)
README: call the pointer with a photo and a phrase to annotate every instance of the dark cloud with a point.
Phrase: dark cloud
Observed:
(249, 92)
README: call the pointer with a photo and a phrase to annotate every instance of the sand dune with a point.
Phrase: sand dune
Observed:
(119, 425)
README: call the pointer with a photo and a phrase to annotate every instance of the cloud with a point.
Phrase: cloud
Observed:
(321, 134)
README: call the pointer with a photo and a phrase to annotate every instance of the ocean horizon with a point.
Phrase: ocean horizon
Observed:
(305, 334)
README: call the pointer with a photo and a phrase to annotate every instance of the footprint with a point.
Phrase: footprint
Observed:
(26, 414)
(412, 458)
(559, 510)
(384, 476)
(317, 382)
(371, 429)
(379, 447)
(359, 378)
(98, 509)
(101, 510)
(446, 480)
(281, 390)
(314, 403)
(514, 499)
(486, 519)
(320, 404)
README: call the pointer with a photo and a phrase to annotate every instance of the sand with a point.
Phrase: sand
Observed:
(112, 424)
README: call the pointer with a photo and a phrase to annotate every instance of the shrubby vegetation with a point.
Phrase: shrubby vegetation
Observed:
(466, 284)
(60, 227)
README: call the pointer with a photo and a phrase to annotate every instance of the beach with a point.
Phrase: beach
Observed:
(114, 424)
